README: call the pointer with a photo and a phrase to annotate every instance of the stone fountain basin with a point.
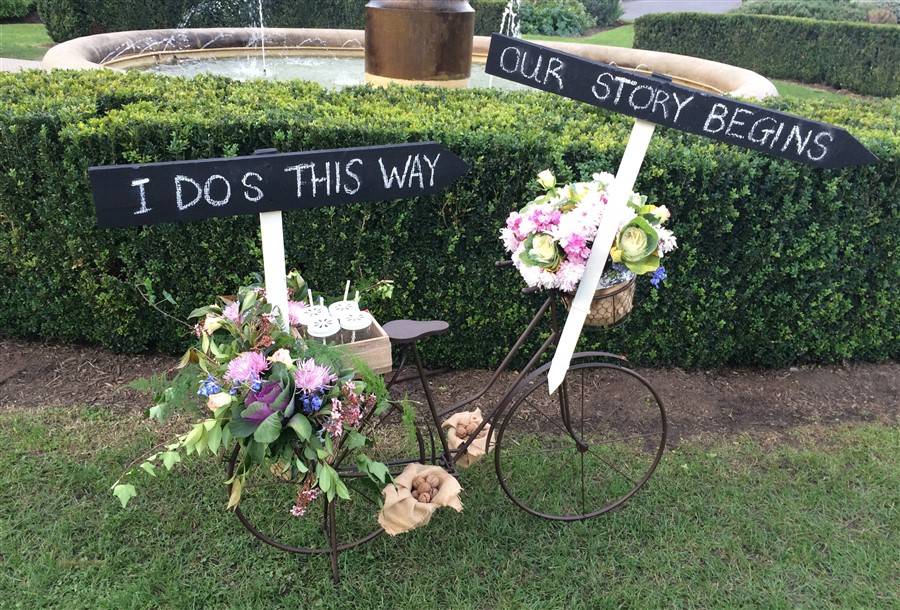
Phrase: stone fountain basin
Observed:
(135, 49)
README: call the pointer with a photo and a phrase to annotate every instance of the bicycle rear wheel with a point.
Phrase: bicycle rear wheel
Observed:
(584, 450)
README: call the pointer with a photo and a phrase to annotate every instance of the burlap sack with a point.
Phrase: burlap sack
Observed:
(478, 448)
(402, 513)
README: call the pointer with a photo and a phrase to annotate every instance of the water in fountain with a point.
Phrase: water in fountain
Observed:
(262, 36)
(511, 23)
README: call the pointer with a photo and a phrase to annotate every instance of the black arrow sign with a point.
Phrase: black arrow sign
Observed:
(181, 191)
(657, 100)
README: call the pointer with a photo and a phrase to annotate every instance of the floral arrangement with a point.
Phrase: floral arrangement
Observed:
(290, 406)
(550, 238)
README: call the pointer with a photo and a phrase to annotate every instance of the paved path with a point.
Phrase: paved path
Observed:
(636, 8)
(15, 65)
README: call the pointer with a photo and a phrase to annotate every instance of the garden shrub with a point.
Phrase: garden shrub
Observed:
(604, 12)
(860, 57)
(833, 10)
(67, 19)
(555, 17)
(778, 262)
(14, 9)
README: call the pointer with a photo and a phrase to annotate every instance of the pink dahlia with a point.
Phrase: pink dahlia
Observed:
(246, 367)
(311, 377)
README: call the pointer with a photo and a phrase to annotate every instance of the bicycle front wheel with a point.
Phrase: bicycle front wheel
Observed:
(586, 449)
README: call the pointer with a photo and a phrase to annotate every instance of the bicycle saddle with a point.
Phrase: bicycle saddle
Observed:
(410, 331)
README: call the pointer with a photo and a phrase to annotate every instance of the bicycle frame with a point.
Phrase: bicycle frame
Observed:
(451, 456)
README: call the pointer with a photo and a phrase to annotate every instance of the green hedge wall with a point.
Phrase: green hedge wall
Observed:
(779, 263)
(67, 19)
(13, 9)
(860, 57)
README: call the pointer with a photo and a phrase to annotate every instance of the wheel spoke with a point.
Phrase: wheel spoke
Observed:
(627, 477)
(549, 419)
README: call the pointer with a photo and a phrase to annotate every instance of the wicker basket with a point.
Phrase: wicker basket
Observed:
(610, 304)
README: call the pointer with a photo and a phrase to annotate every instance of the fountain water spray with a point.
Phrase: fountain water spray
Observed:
(262, 36)
(511, 23)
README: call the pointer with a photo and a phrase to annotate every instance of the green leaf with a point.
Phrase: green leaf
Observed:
(214, 439)
(354, 440)
(341, 489)
(124, 493)
(300, 424)
(269, 430)
(325, 478)
(194, 436)
(170, 458)
(168, 296)
(646, 265)
(149, 468)
(241, 428)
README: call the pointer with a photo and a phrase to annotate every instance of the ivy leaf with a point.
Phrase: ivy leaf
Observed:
(269, 430)
(124, 493)
(299, 424)
(234, 499)
(149, 468)
(170, 458)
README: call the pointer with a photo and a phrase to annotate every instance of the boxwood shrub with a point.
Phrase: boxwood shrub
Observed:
(778, 262)
(67, 19)
(861, 57)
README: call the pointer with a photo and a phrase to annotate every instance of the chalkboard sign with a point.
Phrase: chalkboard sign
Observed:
(657, 100)
(180, 191)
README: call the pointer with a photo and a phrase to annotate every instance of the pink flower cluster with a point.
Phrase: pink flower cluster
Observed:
(294, 309)
(570, 217)
(232, 313)
(305, 497)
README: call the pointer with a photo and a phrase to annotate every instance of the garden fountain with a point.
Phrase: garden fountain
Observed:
(406, 41)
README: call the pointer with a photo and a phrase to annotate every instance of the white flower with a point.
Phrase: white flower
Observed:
(283, 356)
(569, 275)
(546, 179)
(604, 179)
(667, 241)
(662, 212)
(217, 401)
(509, 239)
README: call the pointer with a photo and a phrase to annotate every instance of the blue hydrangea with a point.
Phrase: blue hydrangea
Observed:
(311, 403)
(658, 276)
(208, 387)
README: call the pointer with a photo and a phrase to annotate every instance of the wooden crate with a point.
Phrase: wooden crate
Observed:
(375, 352)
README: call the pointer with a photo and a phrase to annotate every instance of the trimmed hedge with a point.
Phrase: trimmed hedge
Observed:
(67, 19)
(13, 9)
(556, 18)
(859, 57)
(779, 263)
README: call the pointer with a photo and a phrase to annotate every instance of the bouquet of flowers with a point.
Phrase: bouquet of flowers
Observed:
(288, 406)
(550, 238)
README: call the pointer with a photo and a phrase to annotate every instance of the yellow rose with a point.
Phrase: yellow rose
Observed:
(217, 401)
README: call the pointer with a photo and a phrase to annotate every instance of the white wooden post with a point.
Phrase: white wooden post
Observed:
(635, 150)
(273, 263)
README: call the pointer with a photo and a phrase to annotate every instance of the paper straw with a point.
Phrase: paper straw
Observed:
(346, 289)
(309, 294)
(321, 301)
(356, 298)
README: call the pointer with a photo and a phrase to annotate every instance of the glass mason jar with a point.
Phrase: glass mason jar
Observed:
(356, 327)
(328, 330)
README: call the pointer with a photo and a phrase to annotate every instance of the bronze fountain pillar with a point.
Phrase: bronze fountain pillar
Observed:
(413, 42)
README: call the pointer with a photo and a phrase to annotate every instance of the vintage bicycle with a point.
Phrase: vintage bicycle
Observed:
(598, 440)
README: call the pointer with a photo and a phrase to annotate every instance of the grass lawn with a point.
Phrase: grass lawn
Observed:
(731, 525)
(23, 40)
(622, 36)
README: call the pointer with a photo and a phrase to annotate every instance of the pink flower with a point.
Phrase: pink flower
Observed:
(574, 245)
(233, 313)
(294, 309)
(311, 377)
(335, 426)
(246, 367)
(304, 498)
